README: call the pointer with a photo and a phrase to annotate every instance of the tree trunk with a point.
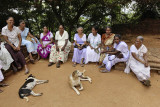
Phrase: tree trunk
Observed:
(69, 32)
(38, 25)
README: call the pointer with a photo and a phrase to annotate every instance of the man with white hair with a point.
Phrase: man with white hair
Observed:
(138, 62)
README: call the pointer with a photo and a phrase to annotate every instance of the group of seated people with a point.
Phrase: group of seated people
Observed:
(105, 51)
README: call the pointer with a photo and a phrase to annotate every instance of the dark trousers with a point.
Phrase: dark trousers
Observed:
(18, 57)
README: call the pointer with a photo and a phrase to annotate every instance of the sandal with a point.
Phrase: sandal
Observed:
(102, 66)
(58, 64)
(104, 71)
(14, 68)
(146, 83)
(82, 65)
(3, 85)
(50, 64)
(32, 61)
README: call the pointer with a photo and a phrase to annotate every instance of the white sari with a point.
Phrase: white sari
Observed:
(142, 72)
(91, 55)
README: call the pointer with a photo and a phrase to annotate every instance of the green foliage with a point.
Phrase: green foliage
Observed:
(73, 13)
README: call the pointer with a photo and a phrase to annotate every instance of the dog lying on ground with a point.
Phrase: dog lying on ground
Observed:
(75, 80)
(27, 87)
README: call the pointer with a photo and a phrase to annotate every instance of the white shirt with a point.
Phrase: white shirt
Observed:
(123, 48)
(12, 35)
(94, 40)
(83, 37)
(61, 39)
(139, 52)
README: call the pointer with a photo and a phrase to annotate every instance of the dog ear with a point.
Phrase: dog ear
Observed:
(74, 73)
(84, 71)
(30, 75)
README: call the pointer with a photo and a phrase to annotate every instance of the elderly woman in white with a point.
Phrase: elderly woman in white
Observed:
(138, 62)
(59, 51)
(93, 50)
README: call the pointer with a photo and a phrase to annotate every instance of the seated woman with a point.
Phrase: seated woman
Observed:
(12, 36)
(79, 54)
(93, 50)
(138, 61)
(30, 44)
(46, 40)
(59, 51)
(120, 53)
(107, 43)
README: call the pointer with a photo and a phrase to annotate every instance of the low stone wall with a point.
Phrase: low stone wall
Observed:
(148, 26)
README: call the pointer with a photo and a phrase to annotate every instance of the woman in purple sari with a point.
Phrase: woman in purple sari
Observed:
(46, 39)
(79, 54)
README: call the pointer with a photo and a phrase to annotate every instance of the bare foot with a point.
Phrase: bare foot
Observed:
(26, 71)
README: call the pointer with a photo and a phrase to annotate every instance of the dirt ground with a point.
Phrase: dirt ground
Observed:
(114, 89)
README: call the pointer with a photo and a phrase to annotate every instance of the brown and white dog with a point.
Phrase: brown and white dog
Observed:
(75, 80)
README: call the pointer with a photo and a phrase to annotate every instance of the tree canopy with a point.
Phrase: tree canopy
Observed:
(75, 13)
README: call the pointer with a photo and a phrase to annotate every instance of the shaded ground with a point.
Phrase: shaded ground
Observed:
(115, 89)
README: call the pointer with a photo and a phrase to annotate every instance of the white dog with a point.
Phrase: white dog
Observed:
(75, 80)
(27, 87)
